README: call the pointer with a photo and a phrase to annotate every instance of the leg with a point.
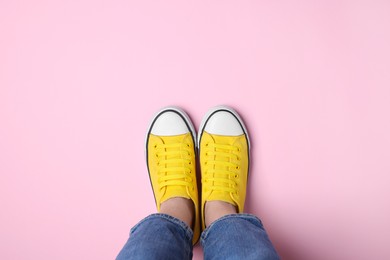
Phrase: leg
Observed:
(237, 236)
(224, 160)
(158, 236)
(170, 155)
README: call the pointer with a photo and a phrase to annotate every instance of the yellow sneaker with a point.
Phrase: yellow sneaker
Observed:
(224, 158)
(170, 155)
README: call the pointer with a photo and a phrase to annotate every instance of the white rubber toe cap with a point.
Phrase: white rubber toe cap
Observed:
(223, 123)
(169, 123)
(223, 120)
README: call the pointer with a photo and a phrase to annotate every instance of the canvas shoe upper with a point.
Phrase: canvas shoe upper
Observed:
(224, 158)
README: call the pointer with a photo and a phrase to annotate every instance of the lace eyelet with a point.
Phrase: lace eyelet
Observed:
(237, 167)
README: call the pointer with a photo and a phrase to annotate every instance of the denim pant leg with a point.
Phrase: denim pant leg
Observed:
(159, 236)
(237, 236)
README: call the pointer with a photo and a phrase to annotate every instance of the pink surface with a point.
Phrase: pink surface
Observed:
(80, 81)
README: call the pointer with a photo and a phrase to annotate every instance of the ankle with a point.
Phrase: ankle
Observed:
(180, 208)
(217, 209)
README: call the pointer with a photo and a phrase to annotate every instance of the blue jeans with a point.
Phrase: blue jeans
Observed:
(160, 236)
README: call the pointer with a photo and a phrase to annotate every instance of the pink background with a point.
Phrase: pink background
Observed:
(80, 81)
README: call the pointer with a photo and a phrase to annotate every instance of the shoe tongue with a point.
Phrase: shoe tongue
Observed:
(175, 192)
(222, 196)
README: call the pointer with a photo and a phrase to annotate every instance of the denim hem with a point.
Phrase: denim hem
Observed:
(244, 216)
(187, 230)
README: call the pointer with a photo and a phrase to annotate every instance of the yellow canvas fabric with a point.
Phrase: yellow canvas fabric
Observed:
(224, 162)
